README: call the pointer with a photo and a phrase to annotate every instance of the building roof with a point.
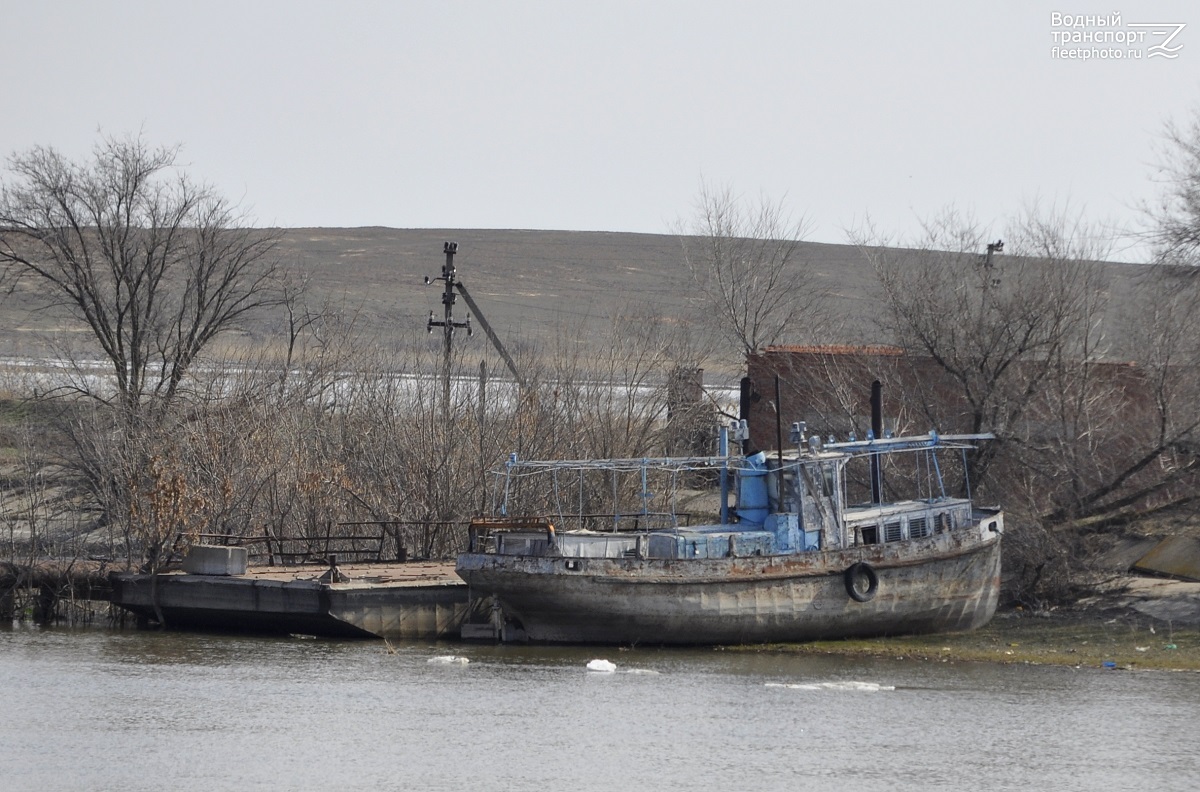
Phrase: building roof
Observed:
(833, 349)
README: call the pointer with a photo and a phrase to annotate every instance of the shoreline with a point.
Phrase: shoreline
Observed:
(1129, 623)
(1135, 624)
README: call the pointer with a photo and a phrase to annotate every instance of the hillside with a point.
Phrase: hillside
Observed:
(533, 286)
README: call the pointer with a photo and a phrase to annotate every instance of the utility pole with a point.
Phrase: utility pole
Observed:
(448, 326)
(449, 296)
(992, 247)
(454, 287)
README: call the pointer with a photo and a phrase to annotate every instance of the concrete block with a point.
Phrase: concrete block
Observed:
(1126, 552)
(215, 560)
(1177, 557)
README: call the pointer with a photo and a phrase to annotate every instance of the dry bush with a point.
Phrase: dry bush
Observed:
(340, 435)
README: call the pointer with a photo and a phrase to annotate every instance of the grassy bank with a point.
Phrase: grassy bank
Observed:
(1126, 640)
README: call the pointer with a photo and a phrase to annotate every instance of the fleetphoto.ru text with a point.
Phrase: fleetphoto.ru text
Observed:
(1109, 37)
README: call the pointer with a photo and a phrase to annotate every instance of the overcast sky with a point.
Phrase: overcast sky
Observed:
(607, 115)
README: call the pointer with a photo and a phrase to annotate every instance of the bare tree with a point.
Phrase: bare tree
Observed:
(993, 327)
(1088, 444)
(746, 266)
(1000, 337)
(1118, 441)
(1136, 453)
(153, 264)
(1175, 217)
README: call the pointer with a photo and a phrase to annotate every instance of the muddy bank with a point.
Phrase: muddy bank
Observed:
(1134, 623)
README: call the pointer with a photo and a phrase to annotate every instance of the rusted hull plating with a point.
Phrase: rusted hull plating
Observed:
(949, 582)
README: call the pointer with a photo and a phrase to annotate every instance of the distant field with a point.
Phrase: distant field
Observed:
(533, 286)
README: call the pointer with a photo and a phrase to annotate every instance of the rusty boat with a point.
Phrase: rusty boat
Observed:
(792, 560)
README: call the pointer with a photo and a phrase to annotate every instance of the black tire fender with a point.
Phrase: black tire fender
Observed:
(853, 577)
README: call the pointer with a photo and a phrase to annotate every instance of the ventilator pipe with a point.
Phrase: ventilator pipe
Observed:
(753, 500)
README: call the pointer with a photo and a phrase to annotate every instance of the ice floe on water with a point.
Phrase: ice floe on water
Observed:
(846, 686)
(448, 660)
(602, 666)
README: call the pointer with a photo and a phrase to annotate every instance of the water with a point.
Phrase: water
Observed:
(107, 710)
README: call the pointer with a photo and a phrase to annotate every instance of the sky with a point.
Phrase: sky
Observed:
(609, 116)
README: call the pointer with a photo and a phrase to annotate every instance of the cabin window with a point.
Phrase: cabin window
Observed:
(918, 528)
(870, 534)
(891, 531)
(943, 522)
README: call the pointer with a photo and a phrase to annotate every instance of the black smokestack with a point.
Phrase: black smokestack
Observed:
(877, 433)
(747, 396)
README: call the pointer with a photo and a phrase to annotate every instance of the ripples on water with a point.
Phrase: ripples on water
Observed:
(100, 710)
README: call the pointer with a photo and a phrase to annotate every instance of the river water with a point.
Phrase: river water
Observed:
(125, 710)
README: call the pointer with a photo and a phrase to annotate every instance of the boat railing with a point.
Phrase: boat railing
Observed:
(624, 522)
(598, 522)
(573, 536)
(364, 541)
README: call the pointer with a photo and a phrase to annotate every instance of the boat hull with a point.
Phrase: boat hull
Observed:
(948, 582)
